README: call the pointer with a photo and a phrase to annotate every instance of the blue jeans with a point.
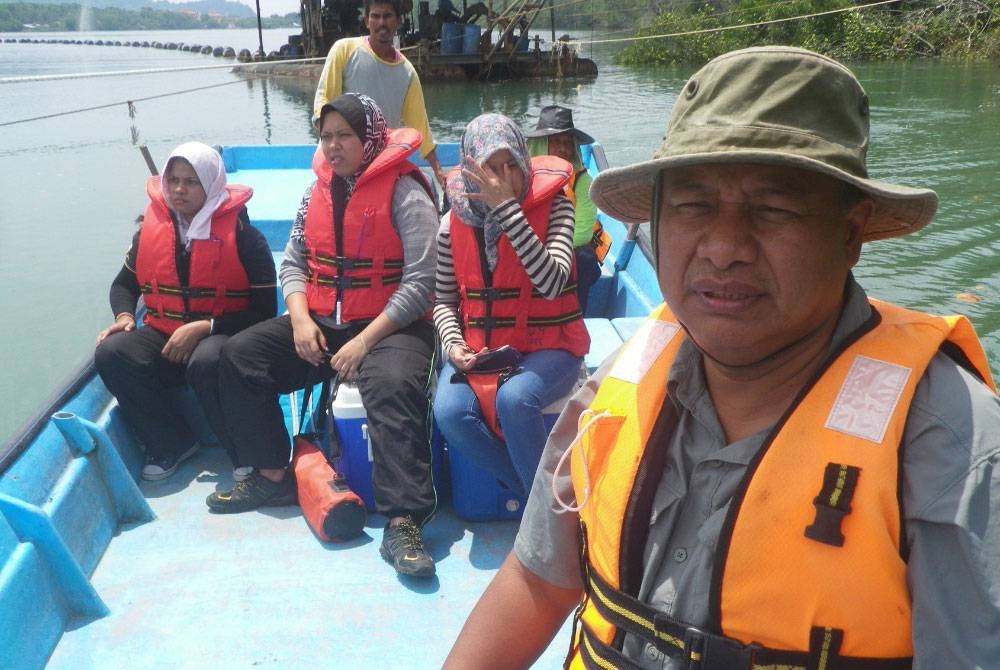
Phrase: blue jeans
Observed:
(545, 377)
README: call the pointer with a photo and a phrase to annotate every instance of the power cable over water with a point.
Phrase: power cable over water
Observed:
(130, 103)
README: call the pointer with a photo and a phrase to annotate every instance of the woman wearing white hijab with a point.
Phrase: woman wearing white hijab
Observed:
(195, 238)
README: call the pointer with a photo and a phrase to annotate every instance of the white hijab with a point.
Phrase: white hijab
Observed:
(207, 164)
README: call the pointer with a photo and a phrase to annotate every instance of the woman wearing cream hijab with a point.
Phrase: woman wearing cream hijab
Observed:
(204, 273)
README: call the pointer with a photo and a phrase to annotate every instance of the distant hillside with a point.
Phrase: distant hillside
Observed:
(224, 7)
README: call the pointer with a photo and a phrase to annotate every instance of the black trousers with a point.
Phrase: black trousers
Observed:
(142, 380)
(260, 363)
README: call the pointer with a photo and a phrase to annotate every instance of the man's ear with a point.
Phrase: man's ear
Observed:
(857, 221)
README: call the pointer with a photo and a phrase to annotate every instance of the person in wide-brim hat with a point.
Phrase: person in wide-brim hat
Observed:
(553, 120)
(556, 135)
(773, 106)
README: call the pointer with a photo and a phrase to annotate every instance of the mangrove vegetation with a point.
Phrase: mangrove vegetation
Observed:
(947, 29)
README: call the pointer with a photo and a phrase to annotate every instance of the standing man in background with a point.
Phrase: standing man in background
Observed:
(374, 66)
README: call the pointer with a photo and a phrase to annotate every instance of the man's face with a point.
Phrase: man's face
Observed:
(753, 259)
(562, 146)
(382, 22)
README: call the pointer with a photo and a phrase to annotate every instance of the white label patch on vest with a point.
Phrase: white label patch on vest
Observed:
(644, 348)
(868, 398)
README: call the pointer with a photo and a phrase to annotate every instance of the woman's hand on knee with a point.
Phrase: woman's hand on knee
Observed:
(310, 344)
(124, 322)
(182, 342)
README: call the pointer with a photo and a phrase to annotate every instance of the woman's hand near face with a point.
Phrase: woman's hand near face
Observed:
(494, 188)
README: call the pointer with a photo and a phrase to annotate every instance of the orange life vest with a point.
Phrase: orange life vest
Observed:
(508, 309)
(370, 268)
(217, 282)
(810, 557)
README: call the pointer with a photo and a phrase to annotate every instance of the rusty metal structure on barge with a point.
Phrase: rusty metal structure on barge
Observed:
(493, 39)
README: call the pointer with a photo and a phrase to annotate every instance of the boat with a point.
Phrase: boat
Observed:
(484, 42)
(101, 570)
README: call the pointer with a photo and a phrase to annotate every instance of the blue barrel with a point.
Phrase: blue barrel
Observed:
(470, 44)
(522, 42)
(451, 38)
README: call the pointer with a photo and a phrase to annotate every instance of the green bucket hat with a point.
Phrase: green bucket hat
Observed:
(776, 106)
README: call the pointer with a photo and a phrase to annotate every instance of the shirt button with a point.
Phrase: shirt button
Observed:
(680, 555)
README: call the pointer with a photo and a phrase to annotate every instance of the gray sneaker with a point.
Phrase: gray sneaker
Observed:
(161, 467)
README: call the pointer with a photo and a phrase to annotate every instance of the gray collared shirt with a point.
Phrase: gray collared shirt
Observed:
(951, 506)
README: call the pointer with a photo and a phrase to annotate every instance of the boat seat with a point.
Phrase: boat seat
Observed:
(282, 308)
(476, 494)
(604, 341)
(627, 325)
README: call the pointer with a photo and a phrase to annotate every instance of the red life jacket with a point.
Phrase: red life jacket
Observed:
(509, 310)
(217, 281)
(371, 266)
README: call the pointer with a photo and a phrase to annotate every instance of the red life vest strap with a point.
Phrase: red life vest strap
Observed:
(485, 385)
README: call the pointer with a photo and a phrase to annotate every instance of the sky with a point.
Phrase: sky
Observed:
(268, 7)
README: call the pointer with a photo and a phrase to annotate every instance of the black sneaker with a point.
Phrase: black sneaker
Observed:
(253, 492)
(403, 546)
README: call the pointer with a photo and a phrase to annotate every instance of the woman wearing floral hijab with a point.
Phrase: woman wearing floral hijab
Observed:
(505, 277)
(195, 238)
(358, 279)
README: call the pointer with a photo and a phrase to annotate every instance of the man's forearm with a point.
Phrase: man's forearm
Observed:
(531, 611)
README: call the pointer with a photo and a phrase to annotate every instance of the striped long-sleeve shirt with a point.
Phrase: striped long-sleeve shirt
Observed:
(547, 262)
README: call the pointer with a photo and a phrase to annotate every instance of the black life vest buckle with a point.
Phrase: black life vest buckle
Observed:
(707, 651)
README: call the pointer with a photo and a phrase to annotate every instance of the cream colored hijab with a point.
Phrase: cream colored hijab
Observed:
(207, 164)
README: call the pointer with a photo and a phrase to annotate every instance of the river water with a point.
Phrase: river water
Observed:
(71, 185)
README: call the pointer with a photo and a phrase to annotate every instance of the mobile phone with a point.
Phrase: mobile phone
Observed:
(495, 359)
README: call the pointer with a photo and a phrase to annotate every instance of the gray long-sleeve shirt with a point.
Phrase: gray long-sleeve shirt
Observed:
(951, 507)
(415, 219)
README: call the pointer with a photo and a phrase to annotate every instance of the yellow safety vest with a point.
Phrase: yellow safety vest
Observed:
(809, 562)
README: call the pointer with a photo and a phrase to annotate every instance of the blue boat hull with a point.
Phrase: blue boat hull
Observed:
(98, 570)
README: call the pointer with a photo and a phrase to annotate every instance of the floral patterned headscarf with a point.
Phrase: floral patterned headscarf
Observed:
(484, 136)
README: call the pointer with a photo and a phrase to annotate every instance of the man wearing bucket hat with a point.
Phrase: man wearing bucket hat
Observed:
(775, 471)
(556, 135)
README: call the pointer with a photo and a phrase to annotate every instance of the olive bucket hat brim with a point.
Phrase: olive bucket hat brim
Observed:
(775, 106)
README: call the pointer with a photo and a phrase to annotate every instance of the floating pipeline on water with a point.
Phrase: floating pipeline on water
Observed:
(562, 60)
(243, 55)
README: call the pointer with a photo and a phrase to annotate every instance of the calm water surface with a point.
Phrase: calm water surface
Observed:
(71, 185)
